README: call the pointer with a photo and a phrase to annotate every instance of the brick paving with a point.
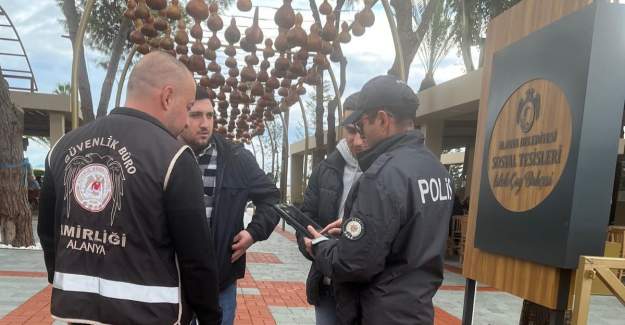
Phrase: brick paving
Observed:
(272, 291)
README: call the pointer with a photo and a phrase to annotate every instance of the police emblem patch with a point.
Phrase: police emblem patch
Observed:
(93, 187)
(354, 229)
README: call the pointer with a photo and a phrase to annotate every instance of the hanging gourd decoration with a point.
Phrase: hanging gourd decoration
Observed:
(296, 36)
(344, 36)
(136, 36)
(313, 44)
(298, 66)
(215, 24)
(142, 11)
(357, 28)
(282, 63)
(313, 77)
(232, 35)
(148, 27)
(199, 11)
(366, 17)
(173, 11)
(268, 52)
(244, 5)
(157, 4)
(131, 6)
(182, 39)
(321, 61)
(160, 23)
(325, 8)
(285, 16)
(329, 32)
(337, 53)
(254, 34)
(167, 43)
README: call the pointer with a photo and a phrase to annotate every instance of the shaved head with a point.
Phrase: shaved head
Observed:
(163, 87)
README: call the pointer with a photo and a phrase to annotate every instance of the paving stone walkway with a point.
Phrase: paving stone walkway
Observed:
(272, 292)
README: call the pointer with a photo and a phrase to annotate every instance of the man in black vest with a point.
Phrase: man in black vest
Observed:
(121, 211)
(231, 177)
(387, 263)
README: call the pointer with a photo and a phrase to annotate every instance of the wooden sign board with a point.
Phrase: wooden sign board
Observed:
(548, 125)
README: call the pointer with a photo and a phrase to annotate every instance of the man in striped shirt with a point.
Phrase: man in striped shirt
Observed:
(231, 177)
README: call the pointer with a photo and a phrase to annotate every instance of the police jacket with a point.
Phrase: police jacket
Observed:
(120, 217)
(239, 180)
(321, 203)
(388, 263)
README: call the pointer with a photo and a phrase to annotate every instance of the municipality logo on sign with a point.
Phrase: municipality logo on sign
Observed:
(528, 110)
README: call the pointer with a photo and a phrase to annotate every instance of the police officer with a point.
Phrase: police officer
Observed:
(121, 211)
(387, 263)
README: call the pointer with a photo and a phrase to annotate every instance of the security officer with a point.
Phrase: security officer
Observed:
(387, 264)
(121, 211)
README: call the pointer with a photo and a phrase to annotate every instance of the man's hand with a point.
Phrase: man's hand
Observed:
(242, 241)
(333, 228)
(308, 241)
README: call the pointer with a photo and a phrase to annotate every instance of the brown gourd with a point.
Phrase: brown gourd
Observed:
(296, 36)
(131, 6)
(314, 40)
(366, 17)
(325, 8)
(285, 16)
(142, 11)
(253, 33)
(244, 5)
(173, 11)
(357, 28)
(329, 33)
(344, 36)
(232, 33)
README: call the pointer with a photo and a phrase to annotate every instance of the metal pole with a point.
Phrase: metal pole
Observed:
(398, 49)
(122, 77)
(82, 26)
(469, 302)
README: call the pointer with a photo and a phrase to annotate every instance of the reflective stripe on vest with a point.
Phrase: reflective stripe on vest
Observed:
(115, 289)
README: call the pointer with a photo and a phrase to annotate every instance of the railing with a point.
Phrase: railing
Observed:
(21, 74)
(588, 269)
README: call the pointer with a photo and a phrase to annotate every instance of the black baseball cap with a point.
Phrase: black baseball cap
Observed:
(388, 93)
(351, 102)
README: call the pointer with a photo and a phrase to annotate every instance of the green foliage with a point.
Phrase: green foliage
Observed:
(62, 89)
(438, 39)
(481, 12)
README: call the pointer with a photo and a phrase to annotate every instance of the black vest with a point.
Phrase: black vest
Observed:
(115, 261)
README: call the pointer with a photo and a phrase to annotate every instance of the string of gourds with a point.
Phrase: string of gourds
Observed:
(153, 21)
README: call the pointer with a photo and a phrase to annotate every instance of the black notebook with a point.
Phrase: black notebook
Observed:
(296, 219)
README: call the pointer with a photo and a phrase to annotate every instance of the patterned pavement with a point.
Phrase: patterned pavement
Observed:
(272, 292)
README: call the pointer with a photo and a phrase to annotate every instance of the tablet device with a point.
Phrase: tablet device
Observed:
(296, 219)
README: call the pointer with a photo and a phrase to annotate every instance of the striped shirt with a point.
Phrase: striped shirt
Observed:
(207, 159)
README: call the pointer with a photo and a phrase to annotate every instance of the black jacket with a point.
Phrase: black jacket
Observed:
(120, 217)
(322, 200)
(388, 263)
(239, 179)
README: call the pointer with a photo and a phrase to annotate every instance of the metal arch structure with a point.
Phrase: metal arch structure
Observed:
(16, 74)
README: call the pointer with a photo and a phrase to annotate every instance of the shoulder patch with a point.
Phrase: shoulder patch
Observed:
(378, 164)
(353, 228)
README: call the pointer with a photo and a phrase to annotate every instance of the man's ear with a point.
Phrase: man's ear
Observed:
(167, 97)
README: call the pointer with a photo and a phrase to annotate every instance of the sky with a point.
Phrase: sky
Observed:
(40, 28)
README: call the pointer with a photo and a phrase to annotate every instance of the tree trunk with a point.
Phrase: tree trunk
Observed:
(465, 36)
(84, 88)
(332, 105)
(111, 69)
(15, 215)
(409, 40)
(319, 153)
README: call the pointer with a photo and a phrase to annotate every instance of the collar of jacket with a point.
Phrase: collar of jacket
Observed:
(412, 137)
(142, 115)
(335, 161)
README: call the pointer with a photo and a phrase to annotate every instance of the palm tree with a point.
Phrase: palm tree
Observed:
(437, 40)
(62, 89)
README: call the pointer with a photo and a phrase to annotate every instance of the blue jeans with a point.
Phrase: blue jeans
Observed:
(325, 311)
(228, 304)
